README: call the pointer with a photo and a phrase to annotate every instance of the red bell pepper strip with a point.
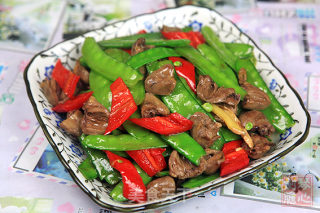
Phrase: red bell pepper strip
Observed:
(122, 105)
(150, 160)
(195, 38)
(73, 104)
(231, 146)
(171, 124)
(186, 71)
(133, 187)
(234, 161)
(66, 79)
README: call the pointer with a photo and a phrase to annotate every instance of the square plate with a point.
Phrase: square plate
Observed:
(68, 148)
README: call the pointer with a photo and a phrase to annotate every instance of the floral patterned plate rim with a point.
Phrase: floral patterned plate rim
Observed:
(70, 153)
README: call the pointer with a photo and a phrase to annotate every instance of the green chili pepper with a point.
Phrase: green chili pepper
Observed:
(124, 142)
(200, 180)
(213, 40)
(150, 55)
(107, 66)
(117, 192)
(87, 169)
(205, 67)
(211, 54)
(275, 113)
(155, 42)
(186, 146)
(118, 54)
(136, 36)
(162, 173)
(101, 163)
(101, 89)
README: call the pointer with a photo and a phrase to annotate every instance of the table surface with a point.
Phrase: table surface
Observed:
(272, 26)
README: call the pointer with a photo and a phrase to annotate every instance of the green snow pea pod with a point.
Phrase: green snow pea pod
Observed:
(275, 113)
(101, 163)
(108, 67)
(124, 142)
(155, 42)
(88, 170)
(150, 55)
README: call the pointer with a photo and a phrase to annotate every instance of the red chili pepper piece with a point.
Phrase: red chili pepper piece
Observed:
(133, 187)
(122, 105)
(150, 160)
(142, 32)
(231, 146)
(66, 79)
(73, 104)
(186, 71)
(171, 124)
(195, 38)
(234, 161)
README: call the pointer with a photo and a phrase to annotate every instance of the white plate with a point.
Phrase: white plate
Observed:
(70, 152)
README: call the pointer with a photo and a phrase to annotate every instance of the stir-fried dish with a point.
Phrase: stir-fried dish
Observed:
(158, 111)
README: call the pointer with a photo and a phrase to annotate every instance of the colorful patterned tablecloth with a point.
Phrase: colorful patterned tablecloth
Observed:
(33, 180)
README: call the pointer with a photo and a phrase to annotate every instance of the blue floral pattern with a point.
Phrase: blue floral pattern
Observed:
(286, 134)
(76, 150)
(273, 84)
(196, 26)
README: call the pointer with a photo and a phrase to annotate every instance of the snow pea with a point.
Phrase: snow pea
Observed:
(186, 146)
(87, 169)
(101, 163)
(101, 89)
(240, 50)
(275, 113)
(155, 42)
(200, 180)
(213, 40)
(108, 67)
(124, 142)
(150, 55)
(136, 36)
(118, 54)
(211, 54)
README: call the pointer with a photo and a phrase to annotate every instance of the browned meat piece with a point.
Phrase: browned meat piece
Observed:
(82, 72)
(261, 145)
(161, 188)
(138, 46)
(161, 81)
(214, 158)
(182, 168)
(256, 99)
(209, 91)
(152, 107)
(95, 119)
(72, 123)
(51, 90)
(204, 129)
(260, 123)
(170, 29)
